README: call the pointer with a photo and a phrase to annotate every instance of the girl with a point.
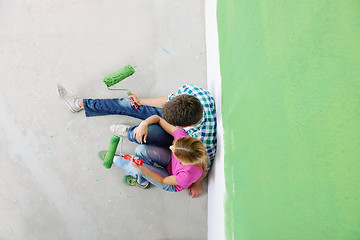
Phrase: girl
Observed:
(171, 169)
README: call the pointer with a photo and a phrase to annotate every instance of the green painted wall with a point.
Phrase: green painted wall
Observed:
(291, 115)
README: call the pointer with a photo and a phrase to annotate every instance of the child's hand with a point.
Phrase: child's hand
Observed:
(141, 133)
(134, 99)
(195, 190)
(138, 167)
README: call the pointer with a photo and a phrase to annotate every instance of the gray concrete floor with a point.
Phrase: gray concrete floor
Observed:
(53, 185)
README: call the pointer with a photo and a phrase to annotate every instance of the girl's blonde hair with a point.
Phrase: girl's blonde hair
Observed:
(190, 150)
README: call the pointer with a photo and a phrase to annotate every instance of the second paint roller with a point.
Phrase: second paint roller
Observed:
(118, 76)
(109, 157)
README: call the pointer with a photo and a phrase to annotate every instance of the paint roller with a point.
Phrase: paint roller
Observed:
(118, 76)
(114, 142)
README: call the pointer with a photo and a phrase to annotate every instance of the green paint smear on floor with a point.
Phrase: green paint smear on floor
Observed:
(291, 115)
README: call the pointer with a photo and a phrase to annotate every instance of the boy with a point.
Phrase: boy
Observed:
(191, 108)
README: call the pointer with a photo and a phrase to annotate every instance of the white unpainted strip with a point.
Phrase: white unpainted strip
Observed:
(217, 191)
(78, 223)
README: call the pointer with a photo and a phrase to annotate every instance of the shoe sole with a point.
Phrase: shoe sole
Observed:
(114, 133)
(68, 104)
(117, 134)
(136, 185)
(100, 156)
(116, 155)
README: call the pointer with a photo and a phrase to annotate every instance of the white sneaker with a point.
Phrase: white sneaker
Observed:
(68, 98)
(120, 129)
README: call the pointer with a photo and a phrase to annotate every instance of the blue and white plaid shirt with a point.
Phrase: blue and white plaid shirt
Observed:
(206, 129)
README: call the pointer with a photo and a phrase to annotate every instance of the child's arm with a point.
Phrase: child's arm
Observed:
(154, 102)
(195, 189)
(141, 131)
(170, 180)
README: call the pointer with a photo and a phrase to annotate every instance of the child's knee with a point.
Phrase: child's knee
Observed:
(141, 151)
(124, 102)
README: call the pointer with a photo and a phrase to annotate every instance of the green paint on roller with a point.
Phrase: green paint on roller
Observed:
(108, 161)
(119, 75)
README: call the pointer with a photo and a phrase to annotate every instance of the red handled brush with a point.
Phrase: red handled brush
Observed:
(136, 160)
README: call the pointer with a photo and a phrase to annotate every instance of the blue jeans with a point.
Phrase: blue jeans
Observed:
(102, 107)
(155, 158)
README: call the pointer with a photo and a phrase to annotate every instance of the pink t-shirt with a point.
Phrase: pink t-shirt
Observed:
(185, 174)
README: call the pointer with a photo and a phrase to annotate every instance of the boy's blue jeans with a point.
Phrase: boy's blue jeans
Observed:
(155, 158)
(101, 107)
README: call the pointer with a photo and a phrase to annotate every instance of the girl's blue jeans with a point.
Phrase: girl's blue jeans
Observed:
(155, 158)
(101, 107)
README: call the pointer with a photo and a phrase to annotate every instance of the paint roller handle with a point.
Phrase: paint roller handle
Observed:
(132, 99)
(136, 160)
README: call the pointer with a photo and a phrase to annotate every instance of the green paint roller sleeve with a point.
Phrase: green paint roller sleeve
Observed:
(108, 161)
(119, 75)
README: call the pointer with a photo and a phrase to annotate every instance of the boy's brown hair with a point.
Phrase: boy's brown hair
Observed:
(183, 111)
